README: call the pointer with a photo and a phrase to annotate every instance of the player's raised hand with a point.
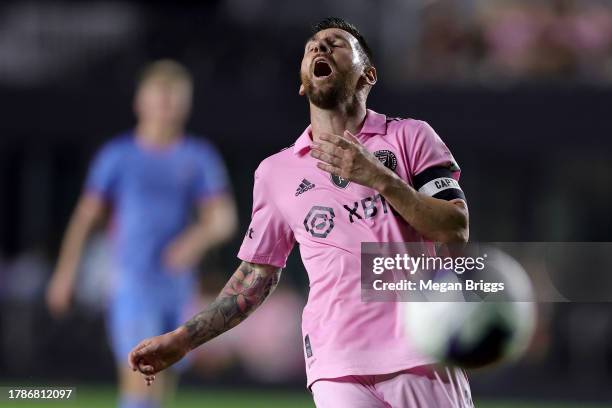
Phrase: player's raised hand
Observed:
(345, 157)
(155, 354)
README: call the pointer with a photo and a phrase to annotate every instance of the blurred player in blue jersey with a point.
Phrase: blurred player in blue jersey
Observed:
(170, 201)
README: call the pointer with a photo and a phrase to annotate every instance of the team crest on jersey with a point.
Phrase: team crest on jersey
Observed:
(387, 157)
(339, 182)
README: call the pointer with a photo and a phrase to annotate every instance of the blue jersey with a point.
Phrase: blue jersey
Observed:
(153, 194)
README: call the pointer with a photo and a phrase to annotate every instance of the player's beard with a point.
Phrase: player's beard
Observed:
(329, 96)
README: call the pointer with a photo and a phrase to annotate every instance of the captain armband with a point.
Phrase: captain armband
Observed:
(438, 182)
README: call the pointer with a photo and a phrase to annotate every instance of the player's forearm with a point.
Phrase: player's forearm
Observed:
(204, 235)
(217, 224)
(76, 235)
(250, 285)
(438, 220)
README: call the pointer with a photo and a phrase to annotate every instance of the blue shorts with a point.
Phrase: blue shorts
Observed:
(136, 315)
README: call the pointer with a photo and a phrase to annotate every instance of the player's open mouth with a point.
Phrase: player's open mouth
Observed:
(322, 69)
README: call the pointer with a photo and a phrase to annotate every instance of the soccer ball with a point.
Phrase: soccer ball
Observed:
(476, 334)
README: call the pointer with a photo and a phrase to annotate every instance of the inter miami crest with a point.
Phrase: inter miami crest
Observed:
(339, 181)
(387, 157)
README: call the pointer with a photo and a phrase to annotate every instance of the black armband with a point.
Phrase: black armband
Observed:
(438, 182)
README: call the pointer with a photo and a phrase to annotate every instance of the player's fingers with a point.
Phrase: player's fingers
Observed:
(335, 139)
(131, 362)
(135, 363)
(146, 369)
(349, 136)
(140, 345)
(138, 361)
(133, 357)
(328, 168)
(141, 350)
(326, 157)
(329, 148)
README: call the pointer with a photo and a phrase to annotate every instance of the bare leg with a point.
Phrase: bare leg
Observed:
(134, 393)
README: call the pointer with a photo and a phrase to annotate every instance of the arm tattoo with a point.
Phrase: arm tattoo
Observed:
(244, 292)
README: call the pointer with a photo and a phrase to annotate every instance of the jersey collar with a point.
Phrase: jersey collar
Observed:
(374, 124)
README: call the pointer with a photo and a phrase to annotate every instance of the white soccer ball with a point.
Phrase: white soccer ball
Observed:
(476, 334)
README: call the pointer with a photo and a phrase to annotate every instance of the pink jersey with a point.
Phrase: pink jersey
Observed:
(330, 217)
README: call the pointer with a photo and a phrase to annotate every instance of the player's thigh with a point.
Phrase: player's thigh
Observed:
(345, 392)
(443, 388)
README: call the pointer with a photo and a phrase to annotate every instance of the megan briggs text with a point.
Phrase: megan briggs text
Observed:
(442, 287)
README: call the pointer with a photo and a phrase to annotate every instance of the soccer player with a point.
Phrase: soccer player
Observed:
(353, 176)
(171, 203)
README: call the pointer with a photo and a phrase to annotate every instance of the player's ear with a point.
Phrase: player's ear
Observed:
(370, 75)
(302, 90)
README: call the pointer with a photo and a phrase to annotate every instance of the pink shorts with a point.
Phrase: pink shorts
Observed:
(418, 387)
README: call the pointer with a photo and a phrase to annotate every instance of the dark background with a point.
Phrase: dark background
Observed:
(530, 128)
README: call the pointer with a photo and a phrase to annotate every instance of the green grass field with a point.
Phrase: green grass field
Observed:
(105, 397)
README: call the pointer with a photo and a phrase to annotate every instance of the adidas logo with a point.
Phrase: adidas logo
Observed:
(305, 185)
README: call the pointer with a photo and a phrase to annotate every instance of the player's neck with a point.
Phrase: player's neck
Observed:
(151, 134)
(336, 121)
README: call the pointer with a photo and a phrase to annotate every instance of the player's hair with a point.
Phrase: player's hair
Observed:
(165, 69)
(340, 23)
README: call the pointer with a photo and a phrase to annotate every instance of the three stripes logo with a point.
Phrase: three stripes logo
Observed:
(305, 185)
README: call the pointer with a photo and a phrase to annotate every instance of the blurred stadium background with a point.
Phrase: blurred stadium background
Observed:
(519, 90)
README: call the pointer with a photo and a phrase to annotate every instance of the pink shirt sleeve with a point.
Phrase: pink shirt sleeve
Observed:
(269, 238)
(426, 149)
